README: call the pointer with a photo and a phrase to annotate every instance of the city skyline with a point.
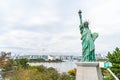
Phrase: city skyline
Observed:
(35, 26)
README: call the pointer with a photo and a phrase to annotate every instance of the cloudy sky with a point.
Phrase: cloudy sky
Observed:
(44, 26)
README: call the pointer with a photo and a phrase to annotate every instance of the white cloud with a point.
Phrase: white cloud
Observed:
(53, 26)
(40, 20)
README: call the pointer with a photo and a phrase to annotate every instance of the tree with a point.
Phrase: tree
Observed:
(2, 61)
(114, 58)
(5, 63)
(22, 63)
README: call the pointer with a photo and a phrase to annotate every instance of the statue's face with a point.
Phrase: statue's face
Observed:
(86, 24)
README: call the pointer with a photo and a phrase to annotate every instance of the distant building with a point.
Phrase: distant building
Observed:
(32, 57)
(50, 57)
(100, 56)
(54, 57)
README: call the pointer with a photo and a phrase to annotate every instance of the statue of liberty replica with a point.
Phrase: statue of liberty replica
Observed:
(88, 68)
(88, 38)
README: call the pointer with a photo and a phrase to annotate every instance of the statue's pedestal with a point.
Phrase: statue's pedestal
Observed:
(88, 71)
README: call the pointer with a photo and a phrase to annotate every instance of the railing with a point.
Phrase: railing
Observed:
(116, 78)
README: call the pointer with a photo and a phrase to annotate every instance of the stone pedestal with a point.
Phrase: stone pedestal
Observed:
(88, 71)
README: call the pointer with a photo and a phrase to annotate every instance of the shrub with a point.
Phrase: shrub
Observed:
(72, 72)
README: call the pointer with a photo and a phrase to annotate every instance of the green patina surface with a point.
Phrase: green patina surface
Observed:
(88, 38)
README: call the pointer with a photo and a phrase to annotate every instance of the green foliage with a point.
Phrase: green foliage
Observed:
(51, 68)
(108, 78)
(22, 63)
(53, 74)
(8, 65)
(106, 74)
(56, 60)
(72, 72)
(64, 76)
(36, 60)
(39, 73)
(42, 69)
(114, 58)
(23, 71)
(43, 60)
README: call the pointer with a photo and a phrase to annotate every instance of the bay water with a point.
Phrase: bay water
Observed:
(59, 66)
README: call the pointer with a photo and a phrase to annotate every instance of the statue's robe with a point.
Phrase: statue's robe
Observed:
(88, 47)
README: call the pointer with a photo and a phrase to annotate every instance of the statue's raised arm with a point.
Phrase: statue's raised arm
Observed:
(80, 15)
(81, 24)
